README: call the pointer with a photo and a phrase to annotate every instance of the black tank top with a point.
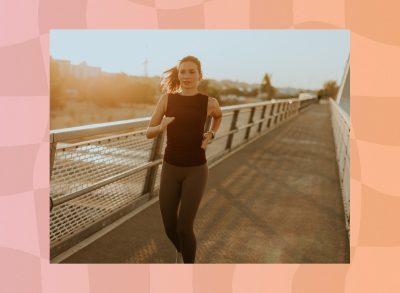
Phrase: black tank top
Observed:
(185, 133)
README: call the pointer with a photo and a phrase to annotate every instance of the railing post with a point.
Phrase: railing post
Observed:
(233, 127)
(53, 148)
(262, 118)
(284, 111)
(281, 112)
(291, 107)
(152, 172)
(253, 110)
(271, 117)
(276, 113)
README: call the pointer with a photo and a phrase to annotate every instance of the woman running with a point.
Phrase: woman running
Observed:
(184, 171)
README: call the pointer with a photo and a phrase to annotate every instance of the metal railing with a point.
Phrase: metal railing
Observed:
(103, 171)
(341, 132)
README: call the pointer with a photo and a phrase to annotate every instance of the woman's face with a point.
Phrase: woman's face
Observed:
(188, 75)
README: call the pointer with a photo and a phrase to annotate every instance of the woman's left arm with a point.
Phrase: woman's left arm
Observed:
(216, 114)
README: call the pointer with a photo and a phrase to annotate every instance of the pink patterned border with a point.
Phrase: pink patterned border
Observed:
(24, 150)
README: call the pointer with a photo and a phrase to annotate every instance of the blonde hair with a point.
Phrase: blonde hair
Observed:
(170, 82)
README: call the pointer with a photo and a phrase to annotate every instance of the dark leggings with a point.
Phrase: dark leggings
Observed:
(184, 186)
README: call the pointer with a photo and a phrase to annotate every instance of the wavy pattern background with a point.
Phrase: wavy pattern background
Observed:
(24, 150)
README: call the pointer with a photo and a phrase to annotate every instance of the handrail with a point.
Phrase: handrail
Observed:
(64, 134)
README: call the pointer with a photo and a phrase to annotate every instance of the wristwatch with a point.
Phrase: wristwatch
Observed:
(212, 134)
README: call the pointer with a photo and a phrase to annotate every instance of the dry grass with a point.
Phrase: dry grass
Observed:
(77, 113)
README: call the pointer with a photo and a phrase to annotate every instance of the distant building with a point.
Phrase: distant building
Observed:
(83, 70)
(64, 66)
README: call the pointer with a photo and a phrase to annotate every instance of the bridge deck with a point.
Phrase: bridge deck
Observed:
(277, 200)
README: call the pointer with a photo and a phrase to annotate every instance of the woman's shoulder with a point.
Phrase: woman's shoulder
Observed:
(207, 97)
(164, 98)
(212, 101)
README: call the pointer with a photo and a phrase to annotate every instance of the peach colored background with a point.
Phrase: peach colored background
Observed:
(375, 145)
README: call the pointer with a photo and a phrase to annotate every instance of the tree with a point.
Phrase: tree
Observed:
(56, 86)
(209, 90)
(330, 89)
(266, 87)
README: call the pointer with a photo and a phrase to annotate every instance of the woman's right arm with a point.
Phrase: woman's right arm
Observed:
(158, 123)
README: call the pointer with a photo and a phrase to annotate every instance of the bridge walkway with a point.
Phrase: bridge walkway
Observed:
(278, 200)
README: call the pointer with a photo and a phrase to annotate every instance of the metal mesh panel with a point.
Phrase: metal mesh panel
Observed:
(225, 123)
(217, 146)
(256, 116)
(80, 212)
(341, 139)
(258, 112)
(346, 194)
(266, 123)
(253, 131)
(238, 138)
(266, 118)
(275, 119)
(341, 136)
(243, 118)
(83, 164)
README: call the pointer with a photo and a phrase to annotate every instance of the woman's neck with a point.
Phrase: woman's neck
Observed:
(189, 92)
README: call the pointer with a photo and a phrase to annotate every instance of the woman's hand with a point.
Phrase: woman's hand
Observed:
(165, 122)
(206, 138)
(153, 131)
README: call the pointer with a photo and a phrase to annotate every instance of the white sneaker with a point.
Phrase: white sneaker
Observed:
(179, 257)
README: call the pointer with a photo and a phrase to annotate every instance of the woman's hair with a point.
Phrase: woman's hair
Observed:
(170, 82)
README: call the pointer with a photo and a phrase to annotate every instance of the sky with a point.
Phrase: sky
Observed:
(294, 58)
